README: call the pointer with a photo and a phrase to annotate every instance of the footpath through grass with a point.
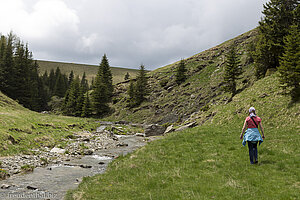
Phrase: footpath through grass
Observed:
(201, 163)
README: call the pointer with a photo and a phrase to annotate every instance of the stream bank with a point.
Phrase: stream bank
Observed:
(52, 182)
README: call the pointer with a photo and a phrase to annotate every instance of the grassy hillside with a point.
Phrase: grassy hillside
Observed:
(170, 103)
(90, 70)
(22, 130)
(209, 161)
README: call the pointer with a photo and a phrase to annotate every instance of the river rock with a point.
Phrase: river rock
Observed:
(140, 134)
(31, 187)
(122, 145)
(5, 186)
(58, 150)
(85, 166)
(100, 129)
(88, 151)
(169, 129)
(15, 171)
(154, 130)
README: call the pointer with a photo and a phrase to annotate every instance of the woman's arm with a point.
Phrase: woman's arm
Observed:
(262, 130)
(244, 129)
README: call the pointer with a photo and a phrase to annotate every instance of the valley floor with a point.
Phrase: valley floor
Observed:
(207, 162)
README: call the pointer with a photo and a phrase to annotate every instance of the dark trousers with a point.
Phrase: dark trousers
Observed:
(252, 152)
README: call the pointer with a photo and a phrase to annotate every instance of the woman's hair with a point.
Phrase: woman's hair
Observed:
(252, 110)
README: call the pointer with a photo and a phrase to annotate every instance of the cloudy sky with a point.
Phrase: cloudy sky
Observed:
(130, 32)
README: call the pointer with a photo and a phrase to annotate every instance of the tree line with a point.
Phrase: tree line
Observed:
(278, 43)
(67, 94)
(19, 78)
(76, 97)
(276, 47)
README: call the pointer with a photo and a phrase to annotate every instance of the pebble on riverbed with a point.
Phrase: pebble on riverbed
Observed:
(5, 186)
(31, 187)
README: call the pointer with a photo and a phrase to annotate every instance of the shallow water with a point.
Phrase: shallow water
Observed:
(52, 182)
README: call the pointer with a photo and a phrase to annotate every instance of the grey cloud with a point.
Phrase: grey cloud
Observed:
(132, 32)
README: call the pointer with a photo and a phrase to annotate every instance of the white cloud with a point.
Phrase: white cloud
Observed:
(131, 32)
(47, 27)
(45, 17)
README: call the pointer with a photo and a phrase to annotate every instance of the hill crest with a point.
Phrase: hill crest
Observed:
(90, 70)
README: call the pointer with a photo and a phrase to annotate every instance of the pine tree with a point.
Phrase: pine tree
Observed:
(43, 94)
(106, 76)
(45, 85)
(25, 77)
(232, 71)
(2, 67)
(141, 88)
(86, 109)
(132, 94)
(79, 102)
(60, 86)
(92, 83)
(84, 83)
(278, 17)
(71, 78)
(127, 76)
(64, 107)
(131, 90)
(35, 93)
(19, 78)
(45, 78)
(7, 72)
(103, 88)
(289, 68)
(52, 81)
(72, 95)
(100, 97)
(180, 73)
(65, 82)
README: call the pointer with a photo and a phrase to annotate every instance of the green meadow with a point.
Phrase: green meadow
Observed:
(209, 161)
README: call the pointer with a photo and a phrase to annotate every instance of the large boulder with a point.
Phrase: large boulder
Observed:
(154, 130)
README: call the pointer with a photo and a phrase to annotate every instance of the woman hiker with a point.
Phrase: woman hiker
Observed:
(252, 135)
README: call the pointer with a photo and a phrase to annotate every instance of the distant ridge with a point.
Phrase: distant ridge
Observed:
(90, 70)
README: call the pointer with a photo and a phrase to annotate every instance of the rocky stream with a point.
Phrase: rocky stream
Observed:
(50, 173)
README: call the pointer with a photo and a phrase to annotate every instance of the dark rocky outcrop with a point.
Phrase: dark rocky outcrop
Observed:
(154, 130)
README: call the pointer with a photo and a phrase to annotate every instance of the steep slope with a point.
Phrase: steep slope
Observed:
(22, 130)
(169, 103)
(90, 70)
